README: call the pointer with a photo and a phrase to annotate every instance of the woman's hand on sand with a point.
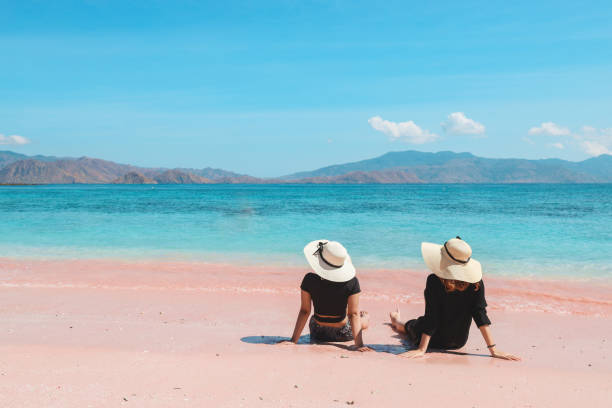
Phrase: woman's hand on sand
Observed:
(359, 348)
(413, 353)
(286, 343)
(504, 356)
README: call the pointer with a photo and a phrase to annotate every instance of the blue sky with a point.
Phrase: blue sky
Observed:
(269, 88)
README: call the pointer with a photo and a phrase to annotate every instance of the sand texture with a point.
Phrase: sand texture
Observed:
(107, 333)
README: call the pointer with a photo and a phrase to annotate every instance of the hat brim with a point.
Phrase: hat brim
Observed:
(343, 274)
(438, 261)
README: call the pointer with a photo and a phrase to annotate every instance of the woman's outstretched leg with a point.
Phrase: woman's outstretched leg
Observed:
(396, 322)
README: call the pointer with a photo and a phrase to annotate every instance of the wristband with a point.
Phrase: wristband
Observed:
(491, 346)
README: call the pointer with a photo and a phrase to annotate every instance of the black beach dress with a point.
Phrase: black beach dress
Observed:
(448, 315)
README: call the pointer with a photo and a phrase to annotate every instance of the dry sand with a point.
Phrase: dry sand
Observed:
(107, 333)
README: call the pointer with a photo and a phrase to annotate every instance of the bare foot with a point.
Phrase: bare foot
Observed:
(365, 319)
(396, 322)
(395, 316)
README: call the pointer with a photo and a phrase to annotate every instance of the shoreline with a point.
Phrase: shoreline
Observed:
(397, 286)
(275, 261)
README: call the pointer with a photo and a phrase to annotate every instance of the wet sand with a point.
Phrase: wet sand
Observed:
(100, 333)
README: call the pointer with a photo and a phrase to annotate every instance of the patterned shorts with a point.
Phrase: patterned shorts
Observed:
(320, 333)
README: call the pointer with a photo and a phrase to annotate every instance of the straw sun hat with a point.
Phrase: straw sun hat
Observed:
(453, 260)
(329, 260)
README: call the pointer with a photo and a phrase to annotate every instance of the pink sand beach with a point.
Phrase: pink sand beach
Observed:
(109, 333)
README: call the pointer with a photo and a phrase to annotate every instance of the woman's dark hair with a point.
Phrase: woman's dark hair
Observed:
(451, 285)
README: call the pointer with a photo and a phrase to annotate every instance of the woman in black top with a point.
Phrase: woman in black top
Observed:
(454, 295)
(334, 290)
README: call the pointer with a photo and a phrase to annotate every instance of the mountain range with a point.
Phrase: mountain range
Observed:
(405, 167)
(17, 168)
(450, 167)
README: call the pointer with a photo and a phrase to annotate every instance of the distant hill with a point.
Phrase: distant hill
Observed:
(391, 160)
(362, 177)
(7, 157)
(449, 167)
(63, 171)
(35, 172)
(10, 157)
(17, 168)
(213, 174)
(133, 177)
(600, 166)
(395, 167)
(180, 177)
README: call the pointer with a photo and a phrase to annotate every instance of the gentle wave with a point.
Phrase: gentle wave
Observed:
(515, 230)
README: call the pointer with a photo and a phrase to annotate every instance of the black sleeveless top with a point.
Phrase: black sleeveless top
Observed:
(329, 298)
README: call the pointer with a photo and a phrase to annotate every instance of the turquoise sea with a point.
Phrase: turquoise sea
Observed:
(524, 230)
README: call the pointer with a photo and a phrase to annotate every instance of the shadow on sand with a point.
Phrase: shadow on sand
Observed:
(380, 348)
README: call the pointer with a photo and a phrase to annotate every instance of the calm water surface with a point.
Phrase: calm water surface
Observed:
(552, 230)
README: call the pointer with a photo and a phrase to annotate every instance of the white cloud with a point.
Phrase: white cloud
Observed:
(602, 135)
(407, 131)
(13, 140)
(591, 140)
(458, 123)
(595, 141)
(588, 129)
(550, 129)
(594, 148)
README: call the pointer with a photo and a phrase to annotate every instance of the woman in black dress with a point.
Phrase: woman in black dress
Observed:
(334, 291)
(454, 295)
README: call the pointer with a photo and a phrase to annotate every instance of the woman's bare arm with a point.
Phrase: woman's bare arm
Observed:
(302, 317)
(355, 318)
(488, 338)
(421, 350)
